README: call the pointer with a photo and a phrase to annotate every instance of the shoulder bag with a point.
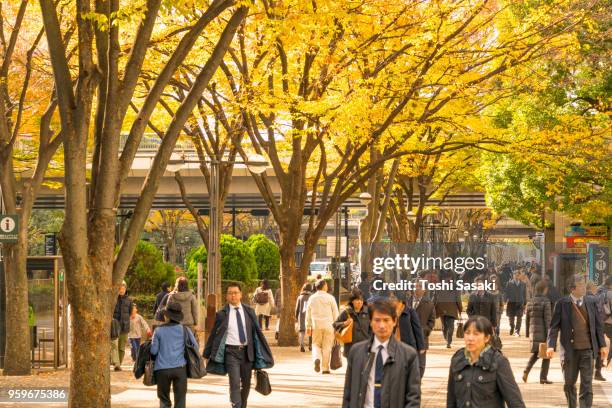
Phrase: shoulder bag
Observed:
(460, 329)
(195, 365)
(149, 374)
(336, 357)
(345, 334)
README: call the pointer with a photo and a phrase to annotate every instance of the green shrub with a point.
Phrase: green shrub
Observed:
(147, 270)
(267, 256)
(145, 304)
(237, 261)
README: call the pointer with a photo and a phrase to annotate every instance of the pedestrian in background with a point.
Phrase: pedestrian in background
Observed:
(516, 296)
(608, 315)
(278, 302)
(168, 347)
(480, 376)
(482, 303)
(300, 315)
(188, 302)
(426, 312)
(236, 346)
(538, 315)
(122, 311)
(575, 319)
(355, 314)
(139, 331)
(448, 307)
(593, 293)
(264, 302)
(321, 313)
(553, 293)
(165, 289)
(498, 300)
(382, 372)
(408, 329)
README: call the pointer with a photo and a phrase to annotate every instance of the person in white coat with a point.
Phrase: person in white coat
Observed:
(321, 313)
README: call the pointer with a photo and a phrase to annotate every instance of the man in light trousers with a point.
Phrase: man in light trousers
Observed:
(321, 313)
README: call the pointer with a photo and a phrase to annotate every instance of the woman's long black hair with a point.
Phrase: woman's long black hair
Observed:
(482, 325)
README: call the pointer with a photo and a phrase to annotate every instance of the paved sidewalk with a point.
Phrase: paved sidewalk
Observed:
(295, 384)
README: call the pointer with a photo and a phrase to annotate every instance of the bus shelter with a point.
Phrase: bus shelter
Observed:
(48, 312)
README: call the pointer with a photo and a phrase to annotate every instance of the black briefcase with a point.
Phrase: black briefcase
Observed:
(263, 382)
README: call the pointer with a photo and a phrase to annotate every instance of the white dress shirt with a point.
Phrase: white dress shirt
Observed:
(577, 301)
(233, 338)
(369, 398)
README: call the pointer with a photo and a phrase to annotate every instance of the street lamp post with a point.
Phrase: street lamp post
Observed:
(256, 164)
(365, 198)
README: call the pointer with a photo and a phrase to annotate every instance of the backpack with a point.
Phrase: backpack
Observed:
(261, 298)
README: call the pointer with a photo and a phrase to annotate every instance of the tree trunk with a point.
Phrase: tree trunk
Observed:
(291, 284)
(171, 243)
(90, 370)
(91, 317)
(17, 359)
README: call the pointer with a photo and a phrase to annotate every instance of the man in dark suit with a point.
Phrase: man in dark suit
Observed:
(426, 311)
(575, 316)
(516, 295)
(482, 303)
(448, 306)
(408, 328)
(231, 346)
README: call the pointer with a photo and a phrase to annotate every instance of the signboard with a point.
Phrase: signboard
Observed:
(332, 250)
(599, 263)
(50, 244)
(587, 231)
(9, 229)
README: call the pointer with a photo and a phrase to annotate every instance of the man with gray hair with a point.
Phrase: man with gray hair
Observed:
(575, 319)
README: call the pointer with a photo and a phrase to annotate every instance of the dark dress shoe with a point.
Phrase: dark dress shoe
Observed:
(599, 377)
(545, 382)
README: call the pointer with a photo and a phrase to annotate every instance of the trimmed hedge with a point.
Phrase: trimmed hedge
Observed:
(147, 270)
(145, 304)
(237, 261)
(267, 256)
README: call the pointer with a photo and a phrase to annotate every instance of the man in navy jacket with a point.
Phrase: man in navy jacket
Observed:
(575, 317)
(236, 346)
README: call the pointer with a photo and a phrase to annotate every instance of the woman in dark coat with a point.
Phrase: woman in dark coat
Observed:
(357, 312)
(300, 314)
(538, 322)
(480, 376)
